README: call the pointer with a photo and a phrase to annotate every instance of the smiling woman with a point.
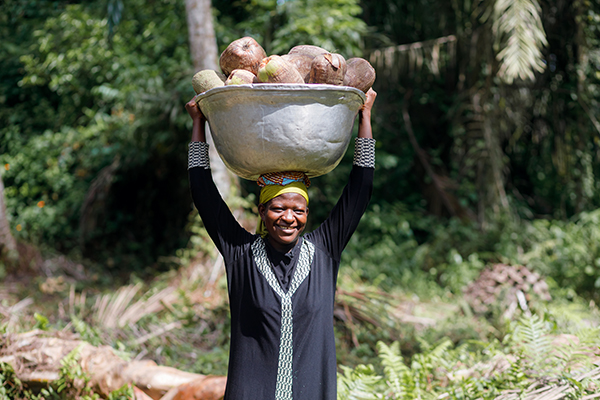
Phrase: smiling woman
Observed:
(284, 218)
(282, 283)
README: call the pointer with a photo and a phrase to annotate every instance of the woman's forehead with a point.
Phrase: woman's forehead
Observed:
(285, 198)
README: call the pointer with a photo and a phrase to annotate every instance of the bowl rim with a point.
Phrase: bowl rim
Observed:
(281, 87)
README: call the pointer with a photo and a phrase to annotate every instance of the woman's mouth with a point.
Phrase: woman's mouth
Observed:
(286, 229)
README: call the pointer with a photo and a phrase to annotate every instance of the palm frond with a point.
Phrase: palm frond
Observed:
(520, 37)
(117, 310)
(408, 59)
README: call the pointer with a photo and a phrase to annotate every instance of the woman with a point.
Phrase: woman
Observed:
(282, 284)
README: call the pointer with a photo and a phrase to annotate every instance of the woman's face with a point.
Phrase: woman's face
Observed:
(285, 218)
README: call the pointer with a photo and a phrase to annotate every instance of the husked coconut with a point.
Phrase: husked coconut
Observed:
(274, 69)
(308, 49)
(207, 79)
(301, 61)
(241, 77)
(244, 53)
(360, 74)
(328, 68)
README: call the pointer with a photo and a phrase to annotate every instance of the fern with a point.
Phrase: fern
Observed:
(526, 365)
(396, 372)
(424, 365)
(532, 336)
(358, 384)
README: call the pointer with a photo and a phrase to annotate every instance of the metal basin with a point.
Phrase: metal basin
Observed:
(260, 128)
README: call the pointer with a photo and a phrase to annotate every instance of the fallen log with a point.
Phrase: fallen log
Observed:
(36, 358)
(208, 388)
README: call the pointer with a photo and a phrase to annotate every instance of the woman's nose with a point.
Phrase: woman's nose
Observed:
(288, 215)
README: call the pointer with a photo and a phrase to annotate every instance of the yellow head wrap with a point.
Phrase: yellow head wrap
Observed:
(270, 190)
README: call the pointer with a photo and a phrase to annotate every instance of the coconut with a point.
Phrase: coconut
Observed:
(328, 68)
(274, 69)
(301, 61)
(308, 49)
(244, 53)
(207, 79)
(241, 77)
(359, 74)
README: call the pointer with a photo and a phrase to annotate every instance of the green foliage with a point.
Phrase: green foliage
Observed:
(10, 385)
(395, 247)
(73, 382)
(358, 383)
(86, 332)
(331, 24)
(396, 372)
(566, 251)
(532, 334)
(105, 135)
(124, 393)
(473, 370)
(280, 25)
(41, 322)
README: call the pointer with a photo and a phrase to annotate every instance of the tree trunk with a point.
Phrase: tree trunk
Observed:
(8, 245)
(203, 46)
(37, 358)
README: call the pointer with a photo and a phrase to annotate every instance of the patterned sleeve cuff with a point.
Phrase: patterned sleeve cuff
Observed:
(198, 155)
(364, 152)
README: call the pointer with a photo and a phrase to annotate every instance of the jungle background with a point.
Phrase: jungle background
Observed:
(473, 274)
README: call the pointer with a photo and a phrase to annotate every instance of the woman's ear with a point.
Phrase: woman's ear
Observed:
(261, 211)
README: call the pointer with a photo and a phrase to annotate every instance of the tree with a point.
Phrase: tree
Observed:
(203, 47)
(8, 245)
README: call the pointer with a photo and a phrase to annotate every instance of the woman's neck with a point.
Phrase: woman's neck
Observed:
(282, 248)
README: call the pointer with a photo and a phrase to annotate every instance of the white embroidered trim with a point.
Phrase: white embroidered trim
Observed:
(283, 388)
(364, 152)
(198, 155)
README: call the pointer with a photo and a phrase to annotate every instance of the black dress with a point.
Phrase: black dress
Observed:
(282, 340)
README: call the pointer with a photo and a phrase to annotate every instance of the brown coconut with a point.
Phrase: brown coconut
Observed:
(301, 61)
(360, 74)
(328, 68)
(308, 49)
(244, 53)
(241, 77)
(207, 79)
(274, 69)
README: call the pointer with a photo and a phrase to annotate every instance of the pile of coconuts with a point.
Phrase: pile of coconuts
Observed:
(244, 61)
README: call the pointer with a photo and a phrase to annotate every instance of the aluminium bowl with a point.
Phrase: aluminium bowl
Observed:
(261, 128)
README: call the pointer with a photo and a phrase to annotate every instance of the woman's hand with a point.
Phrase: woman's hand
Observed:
(198, 129)
(366, 107)
(194, 111)
(364, 116)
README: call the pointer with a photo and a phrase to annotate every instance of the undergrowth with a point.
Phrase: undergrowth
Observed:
(525, 361)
